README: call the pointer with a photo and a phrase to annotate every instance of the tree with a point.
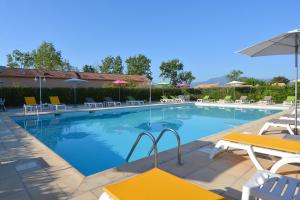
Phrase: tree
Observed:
(252, 81)
(117, 67)
(170, 70)
(47, 57)
(280, 79)
(66, 66)
(139, 65)
(19, 59)
(186, 77)
(234, 75)
(111, 65)
(89, 68)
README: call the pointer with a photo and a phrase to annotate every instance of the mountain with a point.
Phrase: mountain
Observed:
(221, 80)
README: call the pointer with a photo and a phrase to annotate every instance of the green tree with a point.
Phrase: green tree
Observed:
(47, 57)
(234, 75)
(106, 64)
(280, 79)
(18, 59)
(186, 77)
(171, 70)
(89, 68)
(139, 65)
(252, 81)
(117, 67)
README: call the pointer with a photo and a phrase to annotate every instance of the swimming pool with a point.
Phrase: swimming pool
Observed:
(93, 142)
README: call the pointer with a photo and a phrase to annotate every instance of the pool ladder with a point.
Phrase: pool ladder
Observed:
(154, 144)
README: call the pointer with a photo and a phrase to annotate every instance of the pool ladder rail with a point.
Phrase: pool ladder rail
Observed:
(154, 145)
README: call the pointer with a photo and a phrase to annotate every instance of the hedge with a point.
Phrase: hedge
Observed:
(15, 96)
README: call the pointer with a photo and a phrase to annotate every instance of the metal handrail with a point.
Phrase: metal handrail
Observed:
(178, 143)
(154, 146)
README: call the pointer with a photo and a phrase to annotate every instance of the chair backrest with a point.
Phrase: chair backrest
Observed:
(268, 98)
(173, 97)
(108, 99)
(164, 97)
(130, 98)
(243, 98)
(290, 98)
(89, 100)
(54, 100)
(206, 97)
(30, 101)
(227, 98)
(181, 97)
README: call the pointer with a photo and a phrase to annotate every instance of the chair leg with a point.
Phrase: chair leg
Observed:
(246, 193)
(264, 128)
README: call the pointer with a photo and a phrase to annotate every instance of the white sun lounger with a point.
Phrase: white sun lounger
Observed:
(287, 150)
(283, 123)
(267, 185)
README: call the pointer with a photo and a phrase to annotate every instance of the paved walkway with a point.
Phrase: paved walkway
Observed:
(30, 171)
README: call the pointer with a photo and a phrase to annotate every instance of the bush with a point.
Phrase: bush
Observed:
(15, 96)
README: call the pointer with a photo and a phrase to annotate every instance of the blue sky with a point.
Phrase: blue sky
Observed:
(204, 35)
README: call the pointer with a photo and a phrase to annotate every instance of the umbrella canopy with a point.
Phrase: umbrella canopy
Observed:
(75, 80)
(120, 82)
(234, 83)
(284, 44)
(183, 85)
(163, 83)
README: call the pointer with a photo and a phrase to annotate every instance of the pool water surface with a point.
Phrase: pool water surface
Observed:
(93, 142)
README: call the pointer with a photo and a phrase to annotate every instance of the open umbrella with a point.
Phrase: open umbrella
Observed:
(75, 82)
(163, 84)
(234, 84)
(120, 82)
(183, 85)
(284, 44)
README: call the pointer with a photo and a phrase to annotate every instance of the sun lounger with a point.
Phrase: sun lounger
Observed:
(108, 101)
(30, 105)
(165, 99)
(56, 104)
(206, 98)
(283, 123)
(287, 150)
(227, 99)
(267, 100)
(289, 100)
(176, 99)
(133, 101)
(90, 102)
(242, 100)
(267, 185)
(156, 184)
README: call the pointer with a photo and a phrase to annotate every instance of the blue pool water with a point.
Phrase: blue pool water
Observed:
(93, 142)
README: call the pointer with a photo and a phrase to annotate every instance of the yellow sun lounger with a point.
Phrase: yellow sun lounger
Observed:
(287, 150)
(156, 184)
(30, 105)
(55, 102)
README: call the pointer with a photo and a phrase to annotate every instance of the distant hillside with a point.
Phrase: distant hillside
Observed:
(218, 80)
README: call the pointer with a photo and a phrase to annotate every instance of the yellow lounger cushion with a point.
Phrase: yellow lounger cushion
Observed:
(54, 100)
(157, 184)
(30, 101)
(265, 142)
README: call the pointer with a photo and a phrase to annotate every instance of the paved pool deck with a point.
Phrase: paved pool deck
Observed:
(29, 170)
